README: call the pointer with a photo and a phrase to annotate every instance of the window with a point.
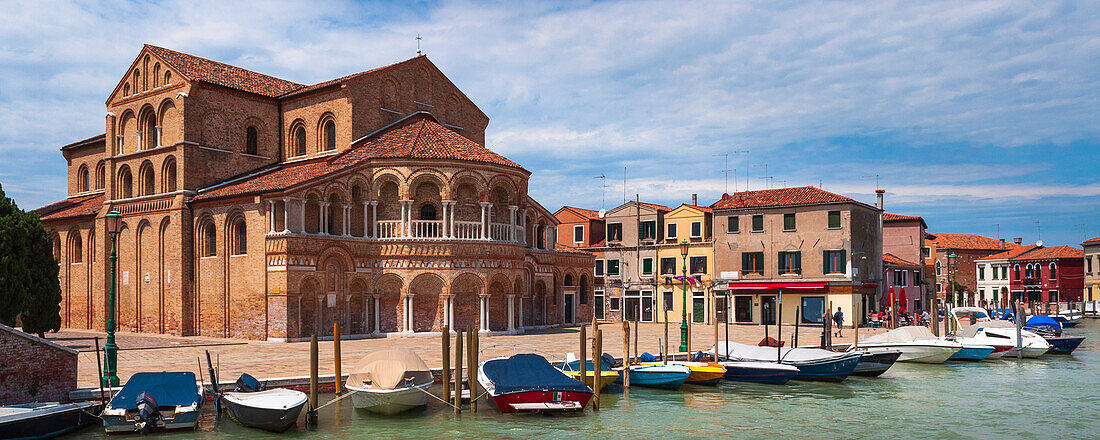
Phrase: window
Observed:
(149, 132)
(614, 232)
(169, 177)
(251, 141)
(813, 310)
(647, 266)
(696, 229)
(77, 251)
(1038, 271)
(1004, 272)
(901, 278)
(167, 77)
(147, 179)
(670, 231)
(834, 262)
(752, 262)
(668, 265)
(668, 300)
(1015, 272)
(939, 287)
(613, 267)
(597, 303)
(834, 220)
(578, 233)
(100, 175)
(240, 238)
(83, 179)
(788, 222)
(210, 241)
(939, 268)
(992, 271)
(981, 272)
(732, 225)
(758, 223)
(916, 278)
(126, 183)
(790, 262)
(1053, 271)
(614, 304)
(698, 265)
(599, 268)
(647, 230)
(926, 252)
(330, 135)
(1088, 264)
(427, 212)
(298, 134)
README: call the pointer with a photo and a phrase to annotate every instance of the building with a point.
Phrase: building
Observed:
(626, 263)
(903, 255)
(690, 224)
(261, 208)
(819, 249)
(1092, 269)
(584, 229)
(966, 248)
(993, 278)
(1048, 275)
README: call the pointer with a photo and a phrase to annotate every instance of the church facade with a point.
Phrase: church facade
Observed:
(259, 208)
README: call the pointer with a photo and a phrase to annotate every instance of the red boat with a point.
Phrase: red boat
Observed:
(528, 383)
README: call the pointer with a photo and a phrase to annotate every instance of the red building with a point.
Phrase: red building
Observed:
(1048, 274)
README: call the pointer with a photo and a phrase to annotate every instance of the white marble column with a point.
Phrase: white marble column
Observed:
(444, 232)
(484, 303)
(451, 218)
(322, 217)
(484, 221)
(377, 318)
(366, 222)
(512, 221)
(271, 216)
(158, 136)
(408, 313)
(286, 216)
(520, 326)
(511, 311)
(451, 311)
(347, 220)
(374, 219)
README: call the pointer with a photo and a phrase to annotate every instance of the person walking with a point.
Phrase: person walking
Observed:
(838, 319)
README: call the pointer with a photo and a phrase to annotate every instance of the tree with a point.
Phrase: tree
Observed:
(30, 289)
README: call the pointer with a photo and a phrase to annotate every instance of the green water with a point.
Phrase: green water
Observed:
(1054, 397)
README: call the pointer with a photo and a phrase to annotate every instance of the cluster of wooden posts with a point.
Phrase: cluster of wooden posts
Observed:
(473, 345)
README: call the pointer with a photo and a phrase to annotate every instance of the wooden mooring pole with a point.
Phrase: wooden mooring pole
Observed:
(458, 371)
(597, 365)
(313, 391)
(715, 326)
(446, 340)
(797, 317)
(471, 374)
(336, 357)
(584, 357)
(626, 354)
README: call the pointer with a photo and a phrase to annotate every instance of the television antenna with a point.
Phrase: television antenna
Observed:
(603, 190)
(726, 171)
(876, 180)
(766, 177)
(418, 38)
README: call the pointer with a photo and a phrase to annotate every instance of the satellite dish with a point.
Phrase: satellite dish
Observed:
(1039, 243)
(602, 213)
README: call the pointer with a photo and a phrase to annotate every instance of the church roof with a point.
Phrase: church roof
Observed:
(76, 206)
(201, 69)
(417, 136)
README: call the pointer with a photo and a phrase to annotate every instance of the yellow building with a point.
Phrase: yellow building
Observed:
(686, 226)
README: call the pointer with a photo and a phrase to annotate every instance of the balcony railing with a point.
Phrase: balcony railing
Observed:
(499, 231)
(467, 230)
(389, 228)
(427, 228)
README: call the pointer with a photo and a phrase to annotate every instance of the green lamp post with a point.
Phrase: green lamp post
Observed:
(110, 364)
(684, 247)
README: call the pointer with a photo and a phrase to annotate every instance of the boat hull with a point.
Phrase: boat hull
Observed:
(606, 377)
(49, 423)
(542, 401)
(666, 380)
(834, 370)
(179, 421)
(268, 419)
(389, 402)
(759, 372)
(924, 354)
(876, 363)
(1064, 344)
(972, 353)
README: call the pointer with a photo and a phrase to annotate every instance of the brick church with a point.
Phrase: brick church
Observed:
(260, 208)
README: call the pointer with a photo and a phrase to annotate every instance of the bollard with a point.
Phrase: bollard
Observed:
(313, 392)
(458, 371)
(446, 340)
(584, 358)
(597, 365)
(336, 357)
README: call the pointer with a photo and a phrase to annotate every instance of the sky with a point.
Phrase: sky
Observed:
(983, 117)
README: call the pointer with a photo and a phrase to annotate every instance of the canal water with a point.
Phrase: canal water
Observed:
(1053, 397)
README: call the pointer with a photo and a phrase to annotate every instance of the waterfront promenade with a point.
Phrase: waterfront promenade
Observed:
(265, 360)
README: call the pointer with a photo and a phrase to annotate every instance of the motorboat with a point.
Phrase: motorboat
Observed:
(813, 363)
(572, 367)
(273, 410)
(155, 401)
(965, 315)
(668, 377)
(529, 383)
(1051, 329)
(701, 373)
(972, 352)
(1031, 345)
(873, 364)
(389, 381)
(759, 372)
(916, 344)
(46, 419)
(1068, 318)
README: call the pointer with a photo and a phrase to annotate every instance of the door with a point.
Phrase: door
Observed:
(767, 310)
(720, 306)
(647, 306)
(631, 304)
(742, 308)
(698, 307)
(597, 304)
(569, 308)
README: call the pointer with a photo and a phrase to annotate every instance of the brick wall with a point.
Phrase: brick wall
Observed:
(34, 369)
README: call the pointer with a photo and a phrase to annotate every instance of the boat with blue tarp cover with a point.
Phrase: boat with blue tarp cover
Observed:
(528, 382)
(152, 401)
(813, 364)
(1051, 330)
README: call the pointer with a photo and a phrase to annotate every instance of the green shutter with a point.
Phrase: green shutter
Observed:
(647, 266)
(825, 257)
(798, 262)
(744, 262)
(843, 257)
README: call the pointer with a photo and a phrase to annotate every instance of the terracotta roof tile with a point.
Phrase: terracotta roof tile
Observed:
(705, 209)
(1011, 253)
(797, 196)
(970, 241)
(209, 71)
(99, 138)
(655, 206)
(76, 206)
(1051, 253)
(895, 260)
(889, 217)
(344, 79)
(1093, 240)
(586, 213)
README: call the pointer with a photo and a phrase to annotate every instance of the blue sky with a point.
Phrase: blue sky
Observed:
(972, 114)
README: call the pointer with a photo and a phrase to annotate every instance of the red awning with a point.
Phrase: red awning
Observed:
(776, 286)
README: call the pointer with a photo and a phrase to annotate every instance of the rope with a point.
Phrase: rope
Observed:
(422, 390)
(334, 400)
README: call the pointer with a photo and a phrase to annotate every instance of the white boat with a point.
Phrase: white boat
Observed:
(274, 410)
(812, 363)
(1031, 344)
(389, 381)
(916, 344)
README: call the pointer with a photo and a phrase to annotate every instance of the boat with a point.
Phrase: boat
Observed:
(154, 401)
(528, 383)
(873, 364)
(1068, 318)
(572, 367)
(813, 364)
(699, 373)
(759, 372)
(1031, 344)
(273, 410)
(972, 352)
(916, 344)
(46, 419)
(667, 377)
(389, 381)
(1051, 330)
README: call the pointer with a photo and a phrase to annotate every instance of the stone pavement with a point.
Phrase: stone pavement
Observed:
(265, 360)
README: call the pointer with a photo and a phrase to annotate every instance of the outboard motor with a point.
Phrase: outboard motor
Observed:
(608, 360)
(248, 384)
(699, 356)
(147, 413)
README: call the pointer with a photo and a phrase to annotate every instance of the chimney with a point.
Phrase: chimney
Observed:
(1018, 240)
(1002, 244)
(695, 199)
(880, 193)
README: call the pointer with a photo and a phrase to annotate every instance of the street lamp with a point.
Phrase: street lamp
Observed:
(684, 248)
(952, 260)
(110, 378)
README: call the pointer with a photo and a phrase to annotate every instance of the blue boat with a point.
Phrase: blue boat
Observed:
(154, 401)
(813, 364)
(668, 377)
(1050, 328)
(759, 372)
(972, 352)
